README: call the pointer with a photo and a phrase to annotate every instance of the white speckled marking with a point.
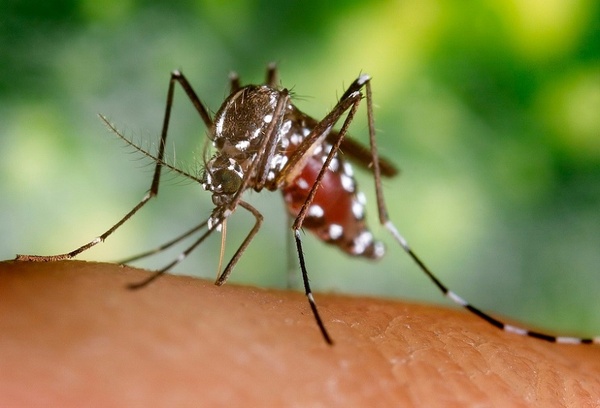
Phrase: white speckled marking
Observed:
(335, 231)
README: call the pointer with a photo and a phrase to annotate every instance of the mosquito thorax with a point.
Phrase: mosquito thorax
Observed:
(243, 119)
(238, 130)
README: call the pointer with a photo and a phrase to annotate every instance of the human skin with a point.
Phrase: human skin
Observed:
(71, 334)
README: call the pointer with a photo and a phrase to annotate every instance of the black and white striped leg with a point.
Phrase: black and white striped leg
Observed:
(176, 77)
(385, 221)
(462, 302)
(180, 258)
(308, 290)
(162, 247)
(348, 103)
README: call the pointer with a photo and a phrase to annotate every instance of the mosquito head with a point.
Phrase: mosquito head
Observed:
(223, 177)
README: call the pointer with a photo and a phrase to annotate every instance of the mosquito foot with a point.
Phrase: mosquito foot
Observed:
(41, 258)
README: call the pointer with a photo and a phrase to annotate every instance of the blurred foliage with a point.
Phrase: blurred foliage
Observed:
(489, 108)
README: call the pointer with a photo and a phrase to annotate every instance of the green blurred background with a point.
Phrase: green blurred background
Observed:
(491, 110)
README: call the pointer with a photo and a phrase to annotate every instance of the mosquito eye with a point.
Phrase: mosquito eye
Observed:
(229, 180)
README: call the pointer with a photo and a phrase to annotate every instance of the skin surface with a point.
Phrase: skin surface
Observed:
(71, 334)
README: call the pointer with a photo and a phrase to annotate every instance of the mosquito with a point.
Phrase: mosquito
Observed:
(261, 140)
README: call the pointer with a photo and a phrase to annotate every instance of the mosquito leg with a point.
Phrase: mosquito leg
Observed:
(150, 194)
(101, 238)
(300, 219)
(177, 260)
(164, 246)
(386, 222)
(308, 290)
(319, 133)
(462, 302)
(176, 77)
(353, 100)
(350, 100)
(236, 257)
(193, 97)
(290, 254)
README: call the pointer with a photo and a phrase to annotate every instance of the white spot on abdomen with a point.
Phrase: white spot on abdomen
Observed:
(362, 242)
(335, 231)
(316, 211)
(347, 183)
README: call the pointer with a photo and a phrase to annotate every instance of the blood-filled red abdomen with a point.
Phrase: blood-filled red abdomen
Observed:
(337, 213)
